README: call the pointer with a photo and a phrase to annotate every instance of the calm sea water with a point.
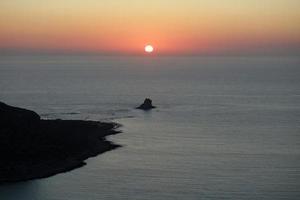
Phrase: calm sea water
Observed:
(225, 127)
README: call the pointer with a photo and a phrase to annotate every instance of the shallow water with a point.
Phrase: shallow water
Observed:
(225, 127)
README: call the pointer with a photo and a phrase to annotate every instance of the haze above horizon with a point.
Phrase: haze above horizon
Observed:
(124, 27)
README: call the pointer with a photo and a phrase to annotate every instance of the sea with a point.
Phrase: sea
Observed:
(225, 127)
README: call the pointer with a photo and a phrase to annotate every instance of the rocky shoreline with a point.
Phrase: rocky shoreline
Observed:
(32, 148)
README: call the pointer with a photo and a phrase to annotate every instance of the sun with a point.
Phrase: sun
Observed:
(149, 48)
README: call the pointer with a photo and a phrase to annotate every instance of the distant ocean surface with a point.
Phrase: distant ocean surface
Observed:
(224, 127)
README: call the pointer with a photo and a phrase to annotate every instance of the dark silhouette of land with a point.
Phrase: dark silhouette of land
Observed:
(31, 147)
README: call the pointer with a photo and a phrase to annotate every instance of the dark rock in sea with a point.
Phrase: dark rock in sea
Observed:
(147, 105)
(34, 148)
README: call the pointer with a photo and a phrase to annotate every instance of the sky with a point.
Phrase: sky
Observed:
(173, 27)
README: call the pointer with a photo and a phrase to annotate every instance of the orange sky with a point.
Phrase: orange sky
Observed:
(172, 27)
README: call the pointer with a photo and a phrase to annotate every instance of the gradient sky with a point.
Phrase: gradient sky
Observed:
(172, 26)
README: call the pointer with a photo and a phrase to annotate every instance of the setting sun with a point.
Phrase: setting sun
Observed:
(149, 48)
(204, 93)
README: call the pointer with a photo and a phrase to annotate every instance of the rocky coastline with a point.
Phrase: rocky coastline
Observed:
(31, 147)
